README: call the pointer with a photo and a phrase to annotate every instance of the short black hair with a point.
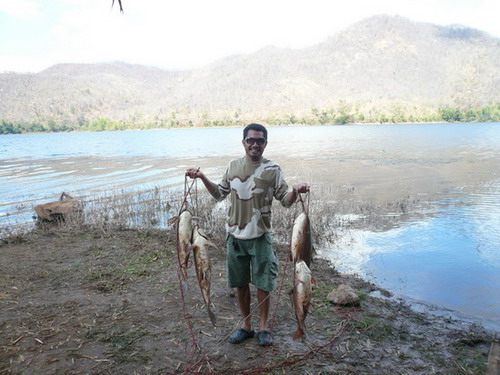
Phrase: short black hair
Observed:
(256, 127)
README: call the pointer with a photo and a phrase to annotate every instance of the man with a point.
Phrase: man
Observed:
(251, 182)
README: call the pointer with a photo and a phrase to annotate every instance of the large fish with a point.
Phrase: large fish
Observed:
(302, 295)
(301, 247)
(203, 267)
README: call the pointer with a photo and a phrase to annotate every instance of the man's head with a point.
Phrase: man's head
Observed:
(256, 127)
(254, 141)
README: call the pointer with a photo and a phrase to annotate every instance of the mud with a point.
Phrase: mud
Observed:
(89, 302)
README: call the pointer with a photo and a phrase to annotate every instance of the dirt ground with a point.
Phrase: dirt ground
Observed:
(89, 302)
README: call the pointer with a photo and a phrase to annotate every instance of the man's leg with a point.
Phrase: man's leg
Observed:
(245, 332)
(244, 304)
(264, 302)
(264, 335)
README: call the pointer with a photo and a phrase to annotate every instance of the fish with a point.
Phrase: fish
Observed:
(302, 295)
(203, 267)
(301, 246)
(184, 223)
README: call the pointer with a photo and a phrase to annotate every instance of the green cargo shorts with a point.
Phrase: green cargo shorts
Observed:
(252, 261)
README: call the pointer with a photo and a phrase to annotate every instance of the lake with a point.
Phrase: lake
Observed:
(443, 255)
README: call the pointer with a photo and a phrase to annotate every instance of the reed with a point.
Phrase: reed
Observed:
(120, 210)
(333, 213)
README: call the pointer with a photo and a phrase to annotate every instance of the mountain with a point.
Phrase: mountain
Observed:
(383, 64)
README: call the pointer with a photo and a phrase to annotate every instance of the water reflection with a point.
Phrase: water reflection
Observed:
(450, 259)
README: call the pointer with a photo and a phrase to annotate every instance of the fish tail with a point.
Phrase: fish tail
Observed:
(298, 333)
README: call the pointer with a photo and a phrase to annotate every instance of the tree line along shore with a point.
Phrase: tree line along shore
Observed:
(340, 116)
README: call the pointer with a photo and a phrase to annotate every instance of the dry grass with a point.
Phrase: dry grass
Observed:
(331, 211)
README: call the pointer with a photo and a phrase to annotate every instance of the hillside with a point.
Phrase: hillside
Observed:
(384, 65)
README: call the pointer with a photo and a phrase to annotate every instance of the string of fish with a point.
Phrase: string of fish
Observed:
(190, 237)
(183, 244)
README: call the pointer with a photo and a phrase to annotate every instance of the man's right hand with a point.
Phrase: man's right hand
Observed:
(194, 173)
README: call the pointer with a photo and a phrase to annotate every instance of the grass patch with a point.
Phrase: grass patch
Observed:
(121, 341)
(375, 328)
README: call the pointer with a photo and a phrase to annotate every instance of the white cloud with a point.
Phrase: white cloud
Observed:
(20, 9)
(23, 63)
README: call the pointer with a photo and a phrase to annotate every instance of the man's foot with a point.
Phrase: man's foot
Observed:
(241, 335)
(264, 338)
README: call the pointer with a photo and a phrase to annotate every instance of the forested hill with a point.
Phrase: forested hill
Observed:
(384, 68)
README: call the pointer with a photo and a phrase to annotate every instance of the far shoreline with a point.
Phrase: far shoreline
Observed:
(263, 123)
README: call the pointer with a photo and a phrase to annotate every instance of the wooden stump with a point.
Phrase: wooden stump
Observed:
(58, 210)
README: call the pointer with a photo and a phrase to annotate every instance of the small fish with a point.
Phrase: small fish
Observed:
(301, 247)
(203, 267)
(184, 237)
(302, 295)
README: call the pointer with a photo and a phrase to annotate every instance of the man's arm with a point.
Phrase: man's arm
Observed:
(299, 188)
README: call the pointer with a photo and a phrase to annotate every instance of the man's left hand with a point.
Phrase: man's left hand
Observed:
(302, 187)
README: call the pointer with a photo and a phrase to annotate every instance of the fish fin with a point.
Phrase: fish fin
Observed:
(173, 219)
(313, 281)
(290, 292)
(211, 244)
(212, 316)
(184, 273)
(306, 309)
(190, 248)
(298, 334)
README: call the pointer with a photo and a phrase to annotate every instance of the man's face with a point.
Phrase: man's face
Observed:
(254, 145)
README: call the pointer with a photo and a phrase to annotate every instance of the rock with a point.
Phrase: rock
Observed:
(343, 295)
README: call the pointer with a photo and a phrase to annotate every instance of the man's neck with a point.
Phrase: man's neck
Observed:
(251, 160)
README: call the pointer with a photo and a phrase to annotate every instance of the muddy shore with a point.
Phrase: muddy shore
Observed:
(89, 302)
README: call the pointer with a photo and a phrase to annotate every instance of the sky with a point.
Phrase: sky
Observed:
(186, 34)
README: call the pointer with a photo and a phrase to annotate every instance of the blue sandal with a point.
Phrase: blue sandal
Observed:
(265, 338)
(241, 335)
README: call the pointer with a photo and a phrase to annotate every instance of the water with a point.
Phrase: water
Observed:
(446, 255)
(449, 259)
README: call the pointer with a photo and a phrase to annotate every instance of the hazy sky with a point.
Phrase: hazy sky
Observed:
(182, 34)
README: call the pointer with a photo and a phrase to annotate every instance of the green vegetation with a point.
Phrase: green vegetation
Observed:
(340, 115)
(486, 114)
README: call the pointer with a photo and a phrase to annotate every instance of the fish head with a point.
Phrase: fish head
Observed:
(185, 215)
(302, 271)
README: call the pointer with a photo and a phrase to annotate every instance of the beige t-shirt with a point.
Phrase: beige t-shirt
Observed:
(251, 186)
